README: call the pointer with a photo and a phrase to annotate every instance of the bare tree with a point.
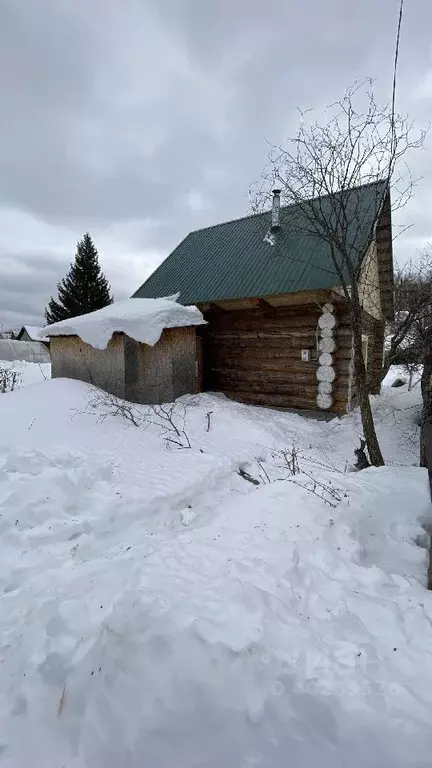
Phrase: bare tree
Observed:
(408, 334)
(426, 423)
(9, 380)
(409, 342)
(326, 170)
(6, 332)
(417, 347)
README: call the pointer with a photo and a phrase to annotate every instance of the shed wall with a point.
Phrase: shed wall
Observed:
(164, 372)
(185, 361)
(130, 370)
(74, 359)
(148, 372)
(254, 356)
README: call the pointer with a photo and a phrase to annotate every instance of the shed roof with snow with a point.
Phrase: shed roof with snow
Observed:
(142, 350)
(143, 320)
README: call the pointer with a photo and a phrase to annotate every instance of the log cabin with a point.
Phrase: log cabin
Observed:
(271, 289)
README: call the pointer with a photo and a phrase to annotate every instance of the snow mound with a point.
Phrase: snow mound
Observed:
(141, 319)
(27, 373)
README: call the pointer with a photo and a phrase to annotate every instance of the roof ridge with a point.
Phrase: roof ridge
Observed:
(283, 207)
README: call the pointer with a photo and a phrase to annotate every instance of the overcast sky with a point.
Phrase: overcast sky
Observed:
(140, 120)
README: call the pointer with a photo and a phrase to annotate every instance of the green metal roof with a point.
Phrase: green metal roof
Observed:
(234, 260)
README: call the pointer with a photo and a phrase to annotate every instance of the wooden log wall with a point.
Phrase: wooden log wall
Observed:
(374, 330)
(344, 363)
(254, 356)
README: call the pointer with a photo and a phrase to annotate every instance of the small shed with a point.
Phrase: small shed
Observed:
(144, 351)
(32, 333)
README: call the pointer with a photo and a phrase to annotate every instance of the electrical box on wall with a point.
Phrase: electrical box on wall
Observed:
(305, 355)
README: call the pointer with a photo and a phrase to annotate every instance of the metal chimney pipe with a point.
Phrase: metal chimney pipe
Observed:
(276, 209)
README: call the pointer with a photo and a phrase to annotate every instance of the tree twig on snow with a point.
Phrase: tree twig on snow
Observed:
(209, 413)
(170, 417)
(246, 476)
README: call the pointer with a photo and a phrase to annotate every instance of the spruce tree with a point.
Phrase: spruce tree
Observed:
(84, 289)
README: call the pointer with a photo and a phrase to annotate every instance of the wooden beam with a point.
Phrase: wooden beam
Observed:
(316, 298)
(265, 305)
(298, 299)
(336, 295)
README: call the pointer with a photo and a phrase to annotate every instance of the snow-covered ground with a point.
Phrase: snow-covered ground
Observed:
(28, 373)
(160, 609)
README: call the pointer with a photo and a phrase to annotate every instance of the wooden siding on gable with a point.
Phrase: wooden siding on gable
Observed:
(369, 284)
(384, 248)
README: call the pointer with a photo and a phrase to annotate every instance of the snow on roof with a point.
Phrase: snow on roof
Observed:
(141, 319)
(34, 332)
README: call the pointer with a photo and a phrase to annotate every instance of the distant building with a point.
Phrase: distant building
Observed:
(30, 333)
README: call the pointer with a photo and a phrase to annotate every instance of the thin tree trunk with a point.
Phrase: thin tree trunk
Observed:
(370, 435)
(374, 450)
(427, 412)
(429, 583)
(426, 438)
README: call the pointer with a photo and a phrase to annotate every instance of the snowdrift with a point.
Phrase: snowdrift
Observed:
(159, 609)
(27, 373)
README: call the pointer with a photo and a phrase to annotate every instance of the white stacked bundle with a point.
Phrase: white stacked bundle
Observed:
(326, 373)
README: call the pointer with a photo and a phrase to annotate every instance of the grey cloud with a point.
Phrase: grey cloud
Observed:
(28, 280)
(24, 280)
(78, 152)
